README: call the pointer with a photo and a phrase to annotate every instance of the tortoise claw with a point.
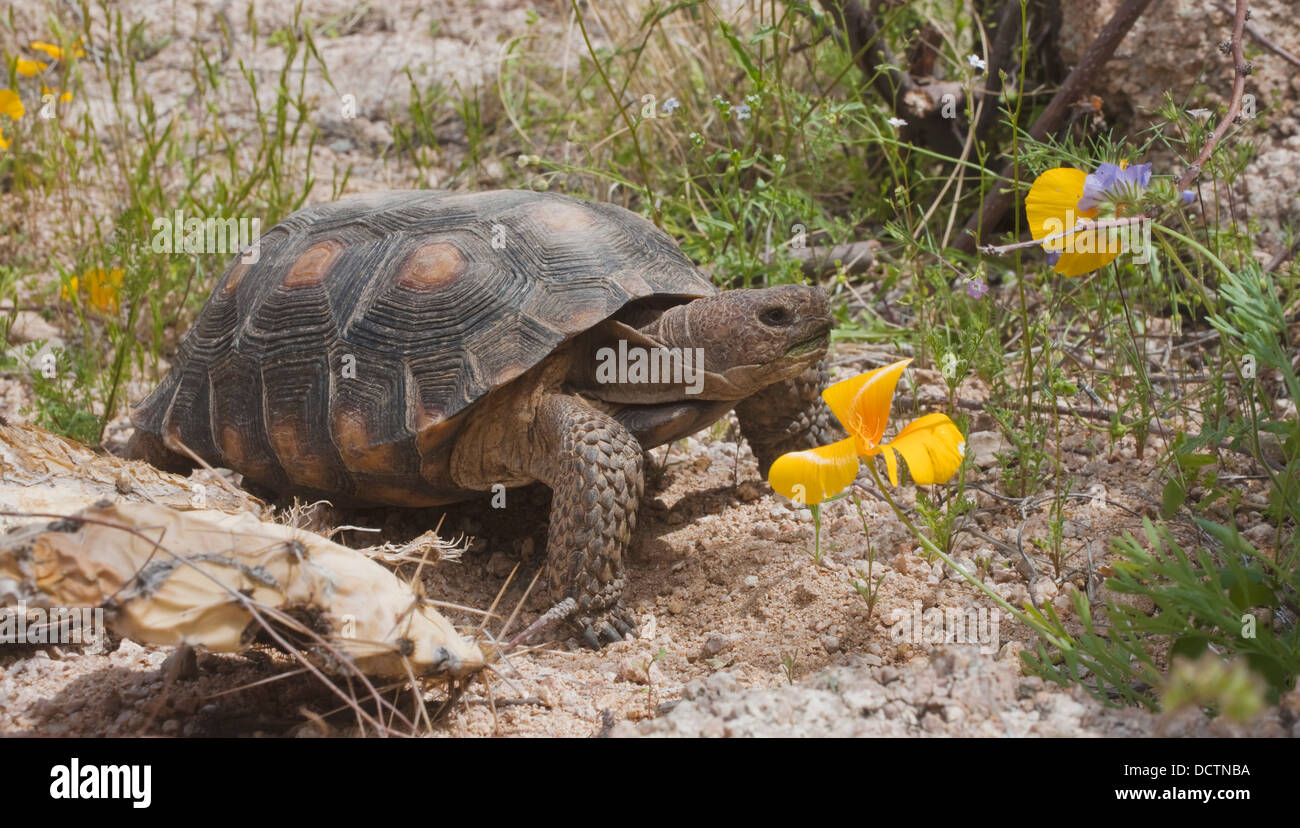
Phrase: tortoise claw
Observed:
(614, 625)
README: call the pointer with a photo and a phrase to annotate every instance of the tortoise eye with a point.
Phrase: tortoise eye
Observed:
(776, 316)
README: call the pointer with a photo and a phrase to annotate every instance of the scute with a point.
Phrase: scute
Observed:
(370, 321)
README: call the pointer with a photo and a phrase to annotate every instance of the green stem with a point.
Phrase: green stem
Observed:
(816, 509)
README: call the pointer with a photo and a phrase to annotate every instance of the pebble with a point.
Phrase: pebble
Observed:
(764, 531)
(633, 669)
(716, 643)
(500, 564)
(831, 643)
(751, 580)
(1044, 590)
(982, 448)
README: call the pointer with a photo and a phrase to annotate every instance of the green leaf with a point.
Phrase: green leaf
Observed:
(1189, 646)
(741, 55)
(1173, 498)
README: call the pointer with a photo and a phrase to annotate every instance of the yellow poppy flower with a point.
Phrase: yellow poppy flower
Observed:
(29, 68)
(64, 98)
(11, 104)
(53, 50)
(932, 445)
(1052, 207)
(815, 475)
(103, 286)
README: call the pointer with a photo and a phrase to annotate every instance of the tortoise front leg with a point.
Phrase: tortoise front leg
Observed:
(593, 466)
(788, 416)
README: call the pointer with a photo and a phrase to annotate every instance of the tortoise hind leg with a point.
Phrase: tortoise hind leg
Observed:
(788, 416)
(593, 467)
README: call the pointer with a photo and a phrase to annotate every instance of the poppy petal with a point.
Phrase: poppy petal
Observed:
(861, 403)
(1052, 205)
(11, 104)
(933, 447)
(814, 475)
(29, 68)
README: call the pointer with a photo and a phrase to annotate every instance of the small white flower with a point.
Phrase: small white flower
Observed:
(897, 122)
(670, 105)
(976, 62)
(1199, 114)
(742, 111)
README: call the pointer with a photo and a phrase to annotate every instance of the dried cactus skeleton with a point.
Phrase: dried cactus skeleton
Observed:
(219, 580)
(166, 573)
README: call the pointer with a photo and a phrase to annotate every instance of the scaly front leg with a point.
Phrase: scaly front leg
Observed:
(593, 466)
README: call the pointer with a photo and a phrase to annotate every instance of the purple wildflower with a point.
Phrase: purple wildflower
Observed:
(975, 287)
(1188, 196)
(1053, 256)
(1112, 183)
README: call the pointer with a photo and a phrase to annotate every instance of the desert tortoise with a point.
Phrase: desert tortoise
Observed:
(418, 348)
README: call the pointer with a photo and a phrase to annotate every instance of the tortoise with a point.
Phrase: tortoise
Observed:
(416, 348)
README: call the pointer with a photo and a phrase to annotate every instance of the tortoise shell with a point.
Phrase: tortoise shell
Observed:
(342, 361)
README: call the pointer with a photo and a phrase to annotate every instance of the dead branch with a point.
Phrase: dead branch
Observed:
(905, 96)
(1258, 37)
(1076, 83)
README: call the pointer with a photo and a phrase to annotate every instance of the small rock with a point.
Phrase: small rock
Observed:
(748, 491)
(1043, 590)
(715, 644)
(182, 664)
(376, 134)
(751, 580)
(640, 669)
(171, 727)
(30, 326)
(967, 566)
(499, 565)
(831, 643)
(982, 447)
(764, 531)
(675, 606)
(1260, 536)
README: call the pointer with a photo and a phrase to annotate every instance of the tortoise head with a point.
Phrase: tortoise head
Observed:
(751, 339)
(731, 345)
